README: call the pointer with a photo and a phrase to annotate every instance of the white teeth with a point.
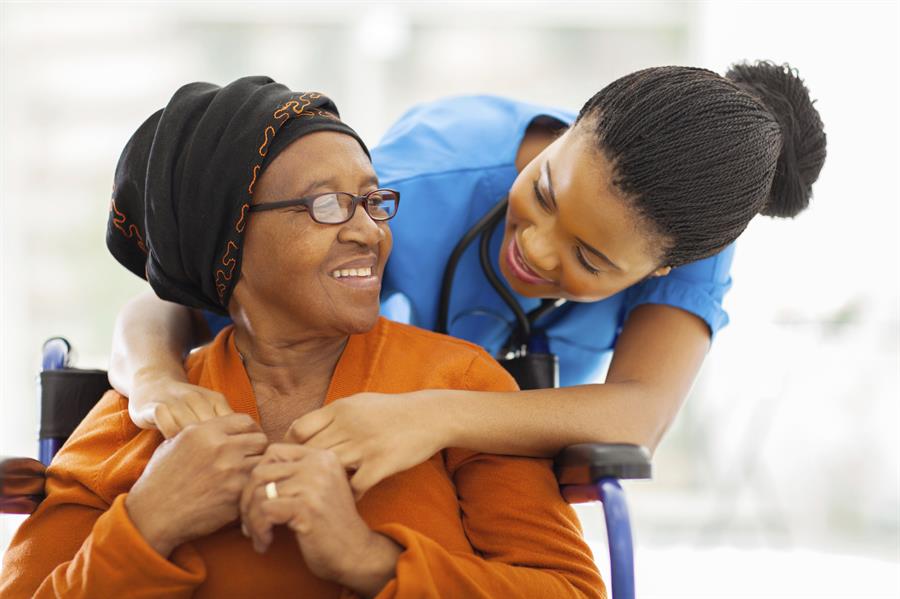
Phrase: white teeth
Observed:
(352, 272)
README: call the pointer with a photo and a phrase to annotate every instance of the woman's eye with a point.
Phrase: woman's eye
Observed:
(587, 265)
(540, 198)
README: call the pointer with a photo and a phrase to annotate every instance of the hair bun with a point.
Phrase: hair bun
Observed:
(784, 94)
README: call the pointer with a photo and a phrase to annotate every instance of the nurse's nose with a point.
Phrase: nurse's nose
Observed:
(539, 251)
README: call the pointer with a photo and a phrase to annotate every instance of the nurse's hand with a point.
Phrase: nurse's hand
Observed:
(376, 435)
(170, 406)
(307, 490)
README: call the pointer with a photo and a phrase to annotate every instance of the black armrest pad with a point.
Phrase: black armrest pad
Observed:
(21, 485)
(587, 463)
(67, 395)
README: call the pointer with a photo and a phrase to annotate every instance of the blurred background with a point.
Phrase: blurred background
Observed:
(781, 477)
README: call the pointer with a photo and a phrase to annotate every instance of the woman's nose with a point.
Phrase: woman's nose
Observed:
(538, 249)
(362, 229)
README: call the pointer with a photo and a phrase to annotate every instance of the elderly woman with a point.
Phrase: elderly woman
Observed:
(204, 207)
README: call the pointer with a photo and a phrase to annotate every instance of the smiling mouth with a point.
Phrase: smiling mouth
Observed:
(519, 268)
(352, 272)
(359, 278)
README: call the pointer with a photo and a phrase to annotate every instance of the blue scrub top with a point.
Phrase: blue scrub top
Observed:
(452, 160)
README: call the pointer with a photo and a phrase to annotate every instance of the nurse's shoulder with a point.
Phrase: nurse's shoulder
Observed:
(455, 134)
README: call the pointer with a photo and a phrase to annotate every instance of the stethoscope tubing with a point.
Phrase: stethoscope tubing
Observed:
(485, 228)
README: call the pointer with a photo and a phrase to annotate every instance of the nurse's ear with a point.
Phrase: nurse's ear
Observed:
(661, 271)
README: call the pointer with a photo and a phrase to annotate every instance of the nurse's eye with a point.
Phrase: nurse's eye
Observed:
(579, 255)
(541, 199)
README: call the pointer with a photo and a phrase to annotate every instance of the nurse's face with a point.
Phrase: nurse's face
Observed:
(299, 276)
(569, 233)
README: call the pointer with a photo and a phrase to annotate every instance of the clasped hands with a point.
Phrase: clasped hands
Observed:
(216, 470)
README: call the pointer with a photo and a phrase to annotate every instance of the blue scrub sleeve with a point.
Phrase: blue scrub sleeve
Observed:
(698, 288)
(215, 322)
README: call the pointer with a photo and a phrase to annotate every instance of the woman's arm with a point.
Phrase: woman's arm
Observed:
(657, 357)
(81, 541)
(100, 533)
(150, 340)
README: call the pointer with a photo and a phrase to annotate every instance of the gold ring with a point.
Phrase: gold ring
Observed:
(271, 490)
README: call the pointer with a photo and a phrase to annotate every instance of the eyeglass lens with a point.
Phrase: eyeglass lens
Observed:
(335, 208)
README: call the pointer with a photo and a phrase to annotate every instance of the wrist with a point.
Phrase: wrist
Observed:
(447, 408)
(155, 374)
(373, 566)
(154, 532)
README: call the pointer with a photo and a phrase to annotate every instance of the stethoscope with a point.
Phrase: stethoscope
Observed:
(526, 353)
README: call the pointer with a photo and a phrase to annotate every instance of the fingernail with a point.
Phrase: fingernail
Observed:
(244, 530)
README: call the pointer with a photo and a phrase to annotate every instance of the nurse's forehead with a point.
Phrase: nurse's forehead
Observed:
(596, 211)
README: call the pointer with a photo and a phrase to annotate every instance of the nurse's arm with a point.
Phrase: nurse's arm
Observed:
(656, 359)
(150, 340)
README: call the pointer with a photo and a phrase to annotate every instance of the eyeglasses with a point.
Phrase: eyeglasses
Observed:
(338, 207)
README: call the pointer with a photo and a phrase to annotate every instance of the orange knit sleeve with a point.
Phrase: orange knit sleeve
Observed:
(527, 538)
(80, 542)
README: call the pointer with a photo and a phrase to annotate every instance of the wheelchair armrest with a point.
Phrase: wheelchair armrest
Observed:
(21, 485)
(579, 468)
(587, 463)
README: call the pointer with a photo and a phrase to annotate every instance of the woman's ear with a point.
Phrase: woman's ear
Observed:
(661, 271)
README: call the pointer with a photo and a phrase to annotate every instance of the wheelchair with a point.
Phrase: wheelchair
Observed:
(586, 472)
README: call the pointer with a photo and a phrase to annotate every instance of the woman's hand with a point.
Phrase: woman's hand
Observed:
(377, 434)
(170, 405)
(192, 484)
(314, 500)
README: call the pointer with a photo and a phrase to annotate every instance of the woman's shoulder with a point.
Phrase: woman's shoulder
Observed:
(406, 337)
(456, 133)
(106, 452)
(441, 360)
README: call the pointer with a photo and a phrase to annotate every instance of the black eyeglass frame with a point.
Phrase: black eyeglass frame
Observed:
(307, 203)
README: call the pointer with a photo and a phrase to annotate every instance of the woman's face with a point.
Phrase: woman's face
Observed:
(290, 262)
(568, 232)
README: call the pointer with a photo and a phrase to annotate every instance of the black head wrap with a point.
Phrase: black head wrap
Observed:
(185, 180)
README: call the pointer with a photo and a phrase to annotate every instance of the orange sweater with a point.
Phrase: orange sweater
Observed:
(471, 525)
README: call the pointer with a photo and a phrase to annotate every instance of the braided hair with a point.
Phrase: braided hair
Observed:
(699, 155)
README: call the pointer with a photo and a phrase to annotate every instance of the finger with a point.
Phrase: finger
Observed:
(289, 510)
(348, 454)
(327, 438)
(220, 403)
(308, 425)
(262, 475)
(364, 479)
(201, 406)
(164, 421)
(143, 417)
(258, 529)
(249, 463)
(286, 452)
(271, 512)
(259, 520)
(250, 443)
(182, 415)
(233, 424)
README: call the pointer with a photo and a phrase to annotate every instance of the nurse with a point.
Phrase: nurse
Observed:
(628, 211)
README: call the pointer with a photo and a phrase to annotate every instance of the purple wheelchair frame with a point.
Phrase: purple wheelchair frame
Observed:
(586, 472)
